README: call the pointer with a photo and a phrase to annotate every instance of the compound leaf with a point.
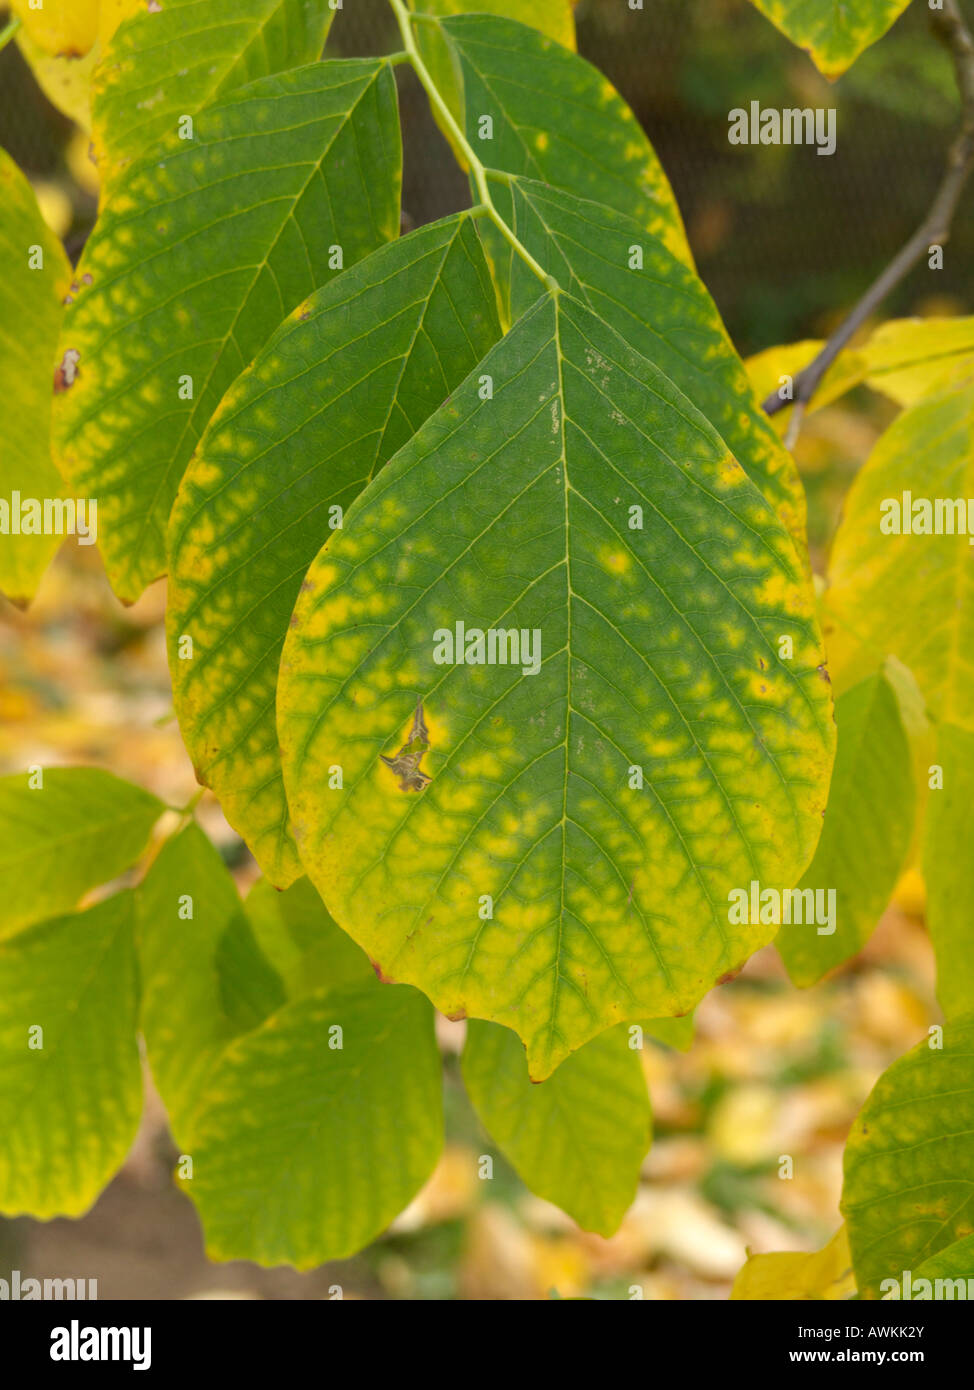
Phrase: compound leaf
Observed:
(335, 392)
(204, 247)
(907, 1192)
(596, 793)
(579, 1139)
(80, 828)
(70, 1079)
(312, 1140)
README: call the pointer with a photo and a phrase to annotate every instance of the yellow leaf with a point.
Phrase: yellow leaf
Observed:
(790, 1275)
(62, 28)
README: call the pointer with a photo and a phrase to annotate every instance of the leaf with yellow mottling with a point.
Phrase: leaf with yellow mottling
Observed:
(551, 17)
(907, 1193)
(833, 34)
(309, 1141)
(81, 828)
(910, 595)
(70, 1097)
(662, 309)
(336, 391)
(556, 119)
(579, 1139)
(30, 316)
(171, 60)
(533, 882)
(204, 247)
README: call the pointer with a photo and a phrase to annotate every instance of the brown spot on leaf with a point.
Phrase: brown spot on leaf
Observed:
(458, 1017)
(823, 671)
(67, 373)
(380, 974)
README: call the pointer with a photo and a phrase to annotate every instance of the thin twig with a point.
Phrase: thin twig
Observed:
(950, 26)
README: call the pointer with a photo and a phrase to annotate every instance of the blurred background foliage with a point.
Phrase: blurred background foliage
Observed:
(786, 240)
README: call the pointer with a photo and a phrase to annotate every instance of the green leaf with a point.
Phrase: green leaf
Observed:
(304, 1151)
(81, 828)
(797, 1275)
(662, 309)
(336, 391)
(658, 650)
(927, 621)
(298, 936)
(205, 246)
(70, 1096)
(671, 1032)
(833, 34)
(579, 1139)
(907, 1192)
(558, 120)
(954, 1262)
(948, 853)
(31, 299)
(866, 834)
(169, 61)
(551, 17)
(204, 978)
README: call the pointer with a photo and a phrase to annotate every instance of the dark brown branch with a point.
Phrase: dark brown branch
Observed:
(950, 26)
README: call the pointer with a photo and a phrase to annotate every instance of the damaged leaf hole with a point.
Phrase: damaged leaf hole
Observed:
(406, 762)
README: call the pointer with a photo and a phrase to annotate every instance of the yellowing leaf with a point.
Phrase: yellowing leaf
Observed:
(948, 854)
(912, 358)
(62, 28)
(536, 881)
(775, 369)
(907, 1193)
(834, 32)
(896, 586)
(71, 1093)
(35, 279)
(790, 1275)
